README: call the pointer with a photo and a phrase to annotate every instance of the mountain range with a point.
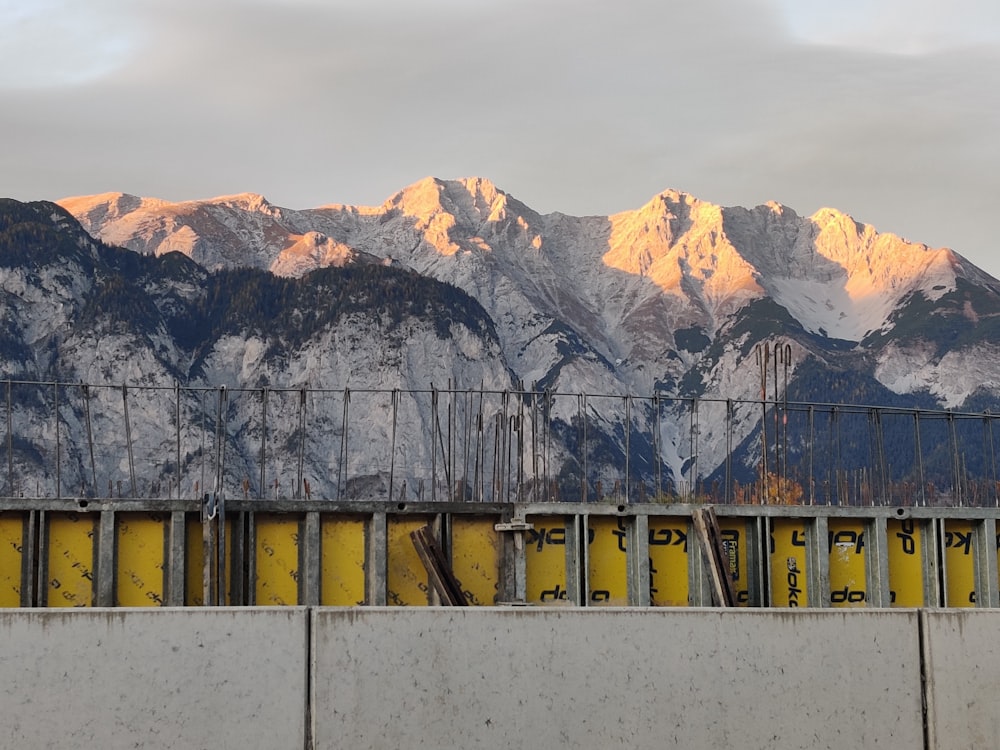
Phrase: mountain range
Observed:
(456, 285)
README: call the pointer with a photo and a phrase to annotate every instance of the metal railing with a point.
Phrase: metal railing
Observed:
(451, 444)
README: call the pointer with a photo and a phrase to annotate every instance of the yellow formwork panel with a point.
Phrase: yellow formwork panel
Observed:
(960, 563)
(406, 581)
(669, 585)
(277, 559)
(11, 558)
(607, 567)
(141, 540)
(475, 558)
(545, 560)
(788, 563)
(848, 582)
(70, 562)
(905, 545)
(194, 562)
(342, 563)
(735, 542)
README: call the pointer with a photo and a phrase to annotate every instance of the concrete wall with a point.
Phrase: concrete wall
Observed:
(506, 677)
(962, 656)
(587, 678)
(177, 678)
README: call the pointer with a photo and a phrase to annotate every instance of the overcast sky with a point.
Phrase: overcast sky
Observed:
(886, 109)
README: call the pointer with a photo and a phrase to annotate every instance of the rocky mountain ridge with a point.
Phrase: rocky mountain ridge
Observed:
(679, 299)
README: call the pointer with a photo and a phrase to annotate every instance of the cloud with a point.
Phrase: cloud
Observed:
(894, 26)
(56, 43)
(582, 107)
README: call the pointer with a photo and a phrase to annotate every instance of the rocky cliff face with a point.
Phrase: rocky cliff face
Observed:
(457, 282)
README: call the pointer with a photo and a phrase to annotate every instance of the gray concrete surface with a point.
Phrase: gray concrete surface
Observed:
(962, 654)
(165, 678)
(546, 678)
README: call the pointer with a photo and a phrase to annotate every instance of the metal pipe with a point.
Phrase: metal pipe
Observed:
(262, 461)
(919, 456)
(128, 441)
(177, 420)
(628, 445)
(90, 436)
(55, 397)
(586, 462)
(342, 466)
(220, 442)
(392, 446)
(10, 441)
(435, 436)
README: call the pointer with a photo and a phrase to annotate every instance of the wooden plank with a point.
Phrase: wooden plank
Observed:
(706, 526)
(439, 573)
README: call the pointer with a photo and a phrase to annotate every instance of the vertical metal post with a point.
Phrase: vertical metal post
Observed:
(309, 561)
(777, 431)
(576, 565)
(763, 357)
(10, 441)
(787, 361)
(534, 442)
(657, 458)
(55, 396)
(177, 419)
(221, 548)
(261, 489)
(695, 447)
(919, 456)
(586, 458)
(581, 410)
(177, 539)
(811, 479)
(452, 436)
(435, 436)
(520, 442)
(220, 440)
(993, 461)
(203, 487)
(467, 424)
(342, 467)
(877, 562)
(546, 415)
(477, 493)
(503, 426)
(729, 451)
(300, 466)
(838, 467)
(956, 476)
(637, 557)
(392, 445)
(105, 588)
(128, 441)
(90, 435)
(376, 578)
(985, 564)
(628, 446)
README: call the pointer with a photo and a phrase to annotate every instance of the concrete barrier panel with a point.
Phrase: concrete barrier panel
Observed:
(164, 678)
(653, 678)
(963, 678)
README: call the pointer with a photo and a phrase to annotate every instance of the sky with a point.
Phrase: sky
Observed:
(888, 110)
